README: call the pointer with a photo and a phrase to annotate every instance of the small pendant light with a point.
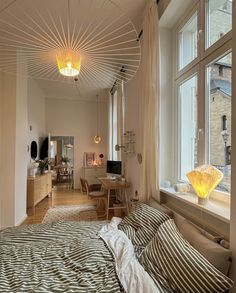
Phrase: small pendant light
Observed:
(97, 137)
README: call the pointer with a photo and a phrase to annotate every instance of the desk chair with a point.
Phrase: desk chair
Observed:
(99, 196)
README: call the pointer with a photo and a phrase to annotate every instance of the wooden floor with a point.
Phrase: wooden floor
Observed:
(60, 196)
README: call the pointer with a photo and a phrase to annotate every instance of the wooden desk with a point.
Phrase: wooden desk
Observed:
(109, 185)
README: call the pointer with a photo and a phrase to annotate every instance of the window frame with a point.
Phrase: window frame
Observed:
(197, 66)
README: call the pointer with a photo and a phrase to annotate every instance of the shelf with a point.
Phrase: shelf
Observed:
(216, 208)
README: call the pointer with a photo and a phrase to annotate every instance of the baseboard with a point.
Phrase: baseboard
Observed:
(22, 220)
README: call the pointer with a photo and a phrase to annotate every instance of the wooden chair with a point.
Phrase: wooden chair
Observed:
(92, 187)
(99, 196)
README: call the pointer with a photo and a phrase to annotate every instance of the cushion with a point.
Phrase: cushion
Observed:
(153, 203)
(180, 220)
(217, 255)
(141, 224)
(178, 266)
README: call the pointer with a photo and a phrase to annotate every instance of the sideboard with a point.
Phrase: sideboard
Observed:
(38, 188)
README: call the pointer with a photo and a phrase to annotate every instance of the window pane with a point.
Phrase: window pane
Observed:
(219, 19)
(188, 42)
(188, 126)
(220, 95)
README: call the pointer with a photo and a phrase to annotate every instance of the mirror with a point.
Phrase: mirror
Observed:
(62, 150)
(34, 150)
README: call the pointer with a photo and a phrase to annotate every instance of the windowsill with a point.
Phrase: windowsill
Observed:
(219, 208)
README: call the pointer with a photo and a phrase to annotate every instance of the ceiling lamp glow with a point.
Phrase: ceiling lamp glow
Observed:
(54, 37)
(69, 62)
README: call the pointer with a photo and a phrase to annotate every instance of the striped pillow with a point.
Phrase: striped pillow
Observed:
(141, 225)
(174, 263)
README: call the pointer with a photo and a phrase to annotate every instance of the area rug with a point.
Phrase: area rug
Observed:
(71, 213)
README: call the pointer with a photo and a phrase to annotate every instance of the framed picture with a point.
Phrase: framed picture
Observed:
(89, 159)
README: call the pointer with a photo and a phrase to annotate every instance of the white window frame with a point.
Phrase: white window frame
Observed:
(197, 66)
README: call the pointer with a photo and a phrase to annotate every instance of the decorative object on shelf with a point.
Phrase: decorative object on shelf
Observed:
(94, 39)
(101, 157)
(89, 159)
(182, 187)
(43, 165)
(97, 137)
(166, 184)
(32, 169)
(204, 179)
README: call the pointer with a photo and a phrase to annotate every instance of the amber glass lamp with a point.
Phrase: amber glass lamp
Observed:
(204, 179)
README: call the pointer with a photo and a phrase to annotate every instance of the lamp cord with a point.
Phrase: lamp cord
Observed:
(68, 22)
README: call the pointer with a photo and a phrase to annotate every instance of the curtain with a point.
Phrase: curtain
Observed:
(116, 122)
(110, 126)
(150, 104)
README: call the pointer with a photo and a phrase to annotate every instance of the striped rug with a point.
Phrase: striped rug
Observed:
(71, 213)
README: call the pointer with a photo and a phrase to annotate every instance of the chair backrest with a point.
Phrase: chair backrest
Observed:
(84, 185)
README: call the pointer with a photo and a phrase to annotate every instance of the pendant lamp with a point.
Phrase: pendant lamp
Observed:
(97, 137)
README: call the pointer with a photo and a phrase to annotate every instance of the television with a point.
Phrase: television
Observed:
(114, 167)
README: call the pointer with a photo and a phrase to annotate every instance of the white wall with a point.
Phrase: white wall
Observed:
(77, 118)
(7, 167)
(21, 154)
(133, 122)
(36, 113)
(13, 152)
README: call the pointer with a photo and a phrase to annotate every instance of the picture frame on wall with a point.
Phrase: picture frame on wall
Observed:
(89, 159)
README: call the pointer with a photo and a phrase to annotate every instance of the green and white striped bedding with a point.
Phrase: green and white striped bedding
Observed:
(141, 225)
(56, 257)
(179, 267)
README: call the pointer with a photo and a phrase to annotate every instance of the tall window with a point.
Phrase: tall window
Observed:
(188, 42)
(203, 79)
(188, 125)
(219, 116)
(116, 121)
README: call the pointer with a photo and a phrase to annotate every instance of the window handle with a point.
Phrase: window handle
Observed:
(199, 34)
(200, 132)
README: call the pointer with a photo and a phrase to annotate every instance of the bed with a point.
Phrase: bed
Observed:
(114, 256)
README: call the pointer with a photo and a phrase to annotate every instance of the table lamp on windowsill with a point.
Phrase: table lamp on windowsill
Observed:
(204, 179)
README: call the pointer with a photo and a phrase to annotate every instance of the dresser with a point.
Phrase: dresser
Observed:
(38, 188)
(92, 173)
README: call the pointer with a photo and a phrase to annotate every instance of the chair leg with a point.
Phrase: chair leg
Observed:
(99, 203)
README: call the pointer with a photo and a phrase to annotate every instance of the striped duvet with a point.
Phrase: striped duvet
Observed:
(56, 257)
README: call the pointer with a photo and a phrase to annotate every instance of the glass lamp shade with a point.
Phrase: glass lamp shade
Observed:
(68, 62)
(97, 139)
(204, 179)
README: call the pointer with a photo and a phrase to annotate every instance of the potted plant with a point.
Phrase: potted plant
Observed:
(65, 160)
(43, 165)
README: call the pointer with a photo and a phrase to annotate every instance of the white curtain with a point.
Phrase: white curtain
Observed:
(110, 127)
(116, 122)
(150, 104)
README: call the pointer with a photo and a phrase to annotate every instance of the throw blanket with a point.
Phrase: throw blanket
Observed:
(70, 257)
